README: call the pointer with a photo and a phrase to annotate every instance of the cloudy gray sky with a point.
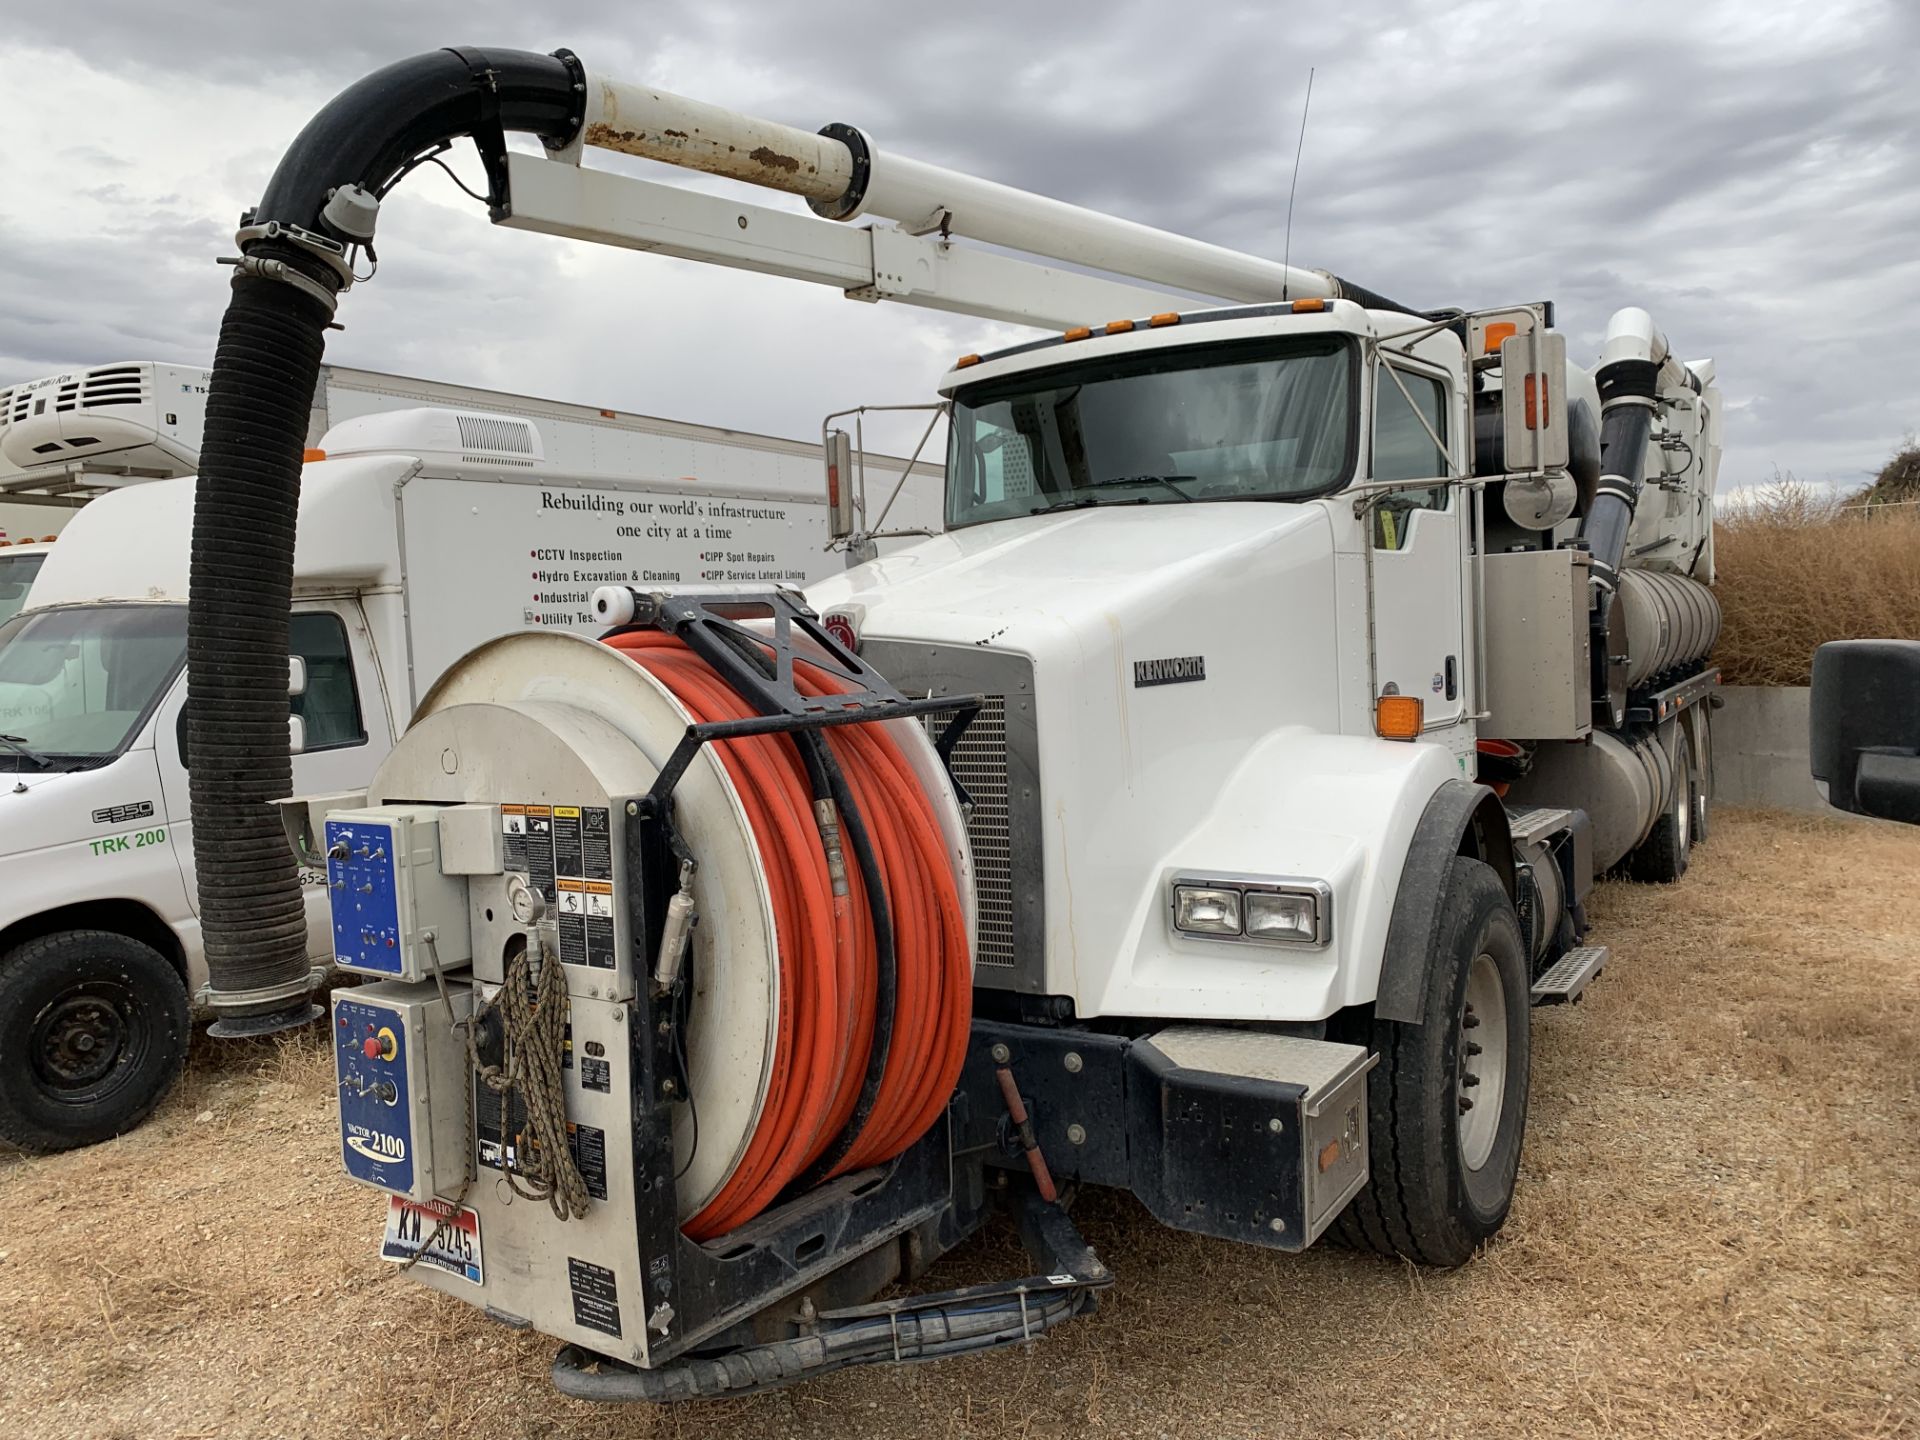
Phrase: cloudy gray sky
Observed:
(1746, 171)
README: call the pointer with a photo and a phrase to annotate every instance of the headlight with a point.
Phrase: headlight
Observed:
(1291, 915)
(1269, 911)
(1206, 910)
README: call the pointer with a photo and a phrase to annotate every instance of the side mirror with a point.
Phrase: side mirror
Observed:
(839, 458)
(296, 734)
(1533, 400)
(296, 675)
(1864, 724)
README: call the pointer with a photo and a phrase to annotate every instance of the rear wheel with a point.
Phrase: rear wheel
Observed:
(1447, 1104)
(93, 1033)
(1662, 857)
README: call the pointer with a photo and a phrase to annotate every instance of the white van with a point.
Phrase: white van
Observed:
(421, 533)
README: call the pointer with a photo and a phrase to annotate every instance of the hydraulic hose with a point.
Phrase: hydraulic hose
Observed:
(823, 1113)
(294, 262)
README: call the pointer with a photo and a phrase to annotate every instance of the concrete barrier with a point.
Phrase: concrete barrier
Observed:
(1760, 752)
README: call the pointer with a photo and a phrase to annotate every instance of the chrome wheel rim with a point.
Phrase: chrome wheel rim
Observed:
(1480, 1083)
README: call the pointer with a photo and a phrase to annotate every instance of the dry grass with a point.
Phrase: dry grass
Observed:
(1717, 1235)
(1796, 569)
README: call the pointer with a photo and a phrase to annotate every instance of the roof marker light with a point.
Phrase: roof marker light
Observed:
(1308, 307)
(1165, 317)
(1119, 327)
(965, 360)
(1496, 333)
(309, 455)
(1078, 332)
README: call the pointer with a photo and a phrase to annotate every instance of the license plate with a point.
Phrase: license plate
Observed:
(456, 1251)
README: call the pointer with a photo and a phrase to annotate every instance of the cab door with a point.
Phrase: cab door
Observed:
(346, 733)
(1419, 550)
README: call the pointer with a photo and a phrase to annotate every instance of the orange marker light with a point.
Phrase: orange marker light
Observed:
(309, 455)
(1308, 307)
(965, 360)
(1078, 332)
(1165, 317)
(1399, 717)
(1536, 401)
(1498, 332)
(1119, 327)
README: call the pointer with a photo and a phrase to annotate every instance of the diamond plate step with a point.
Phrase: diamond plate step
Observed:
(1530, 824)
(1569, 975)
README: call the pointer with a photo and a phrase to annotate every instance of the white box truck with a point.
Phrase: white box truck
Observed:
(422, 532)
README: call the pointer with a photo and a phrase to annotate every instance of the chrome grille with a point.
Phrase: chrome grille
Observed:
(979, 763)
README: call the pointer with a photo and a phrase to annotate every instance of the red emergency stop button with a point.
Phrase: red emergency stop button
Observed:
(383, 1046)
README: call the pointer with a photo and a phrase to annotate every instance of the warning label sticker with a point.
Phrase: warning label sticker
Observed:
(566, 840)
(596, 843)
(589, 1146)
(500, 1139)
(596, 1296)
(540, 871)
(596, 1074)
(513, 831)
(566, 853)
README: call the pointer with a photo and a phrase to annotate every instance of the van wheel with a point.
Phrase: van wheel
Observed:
(1447, 1104)
(93, 1033)
(1661, 858)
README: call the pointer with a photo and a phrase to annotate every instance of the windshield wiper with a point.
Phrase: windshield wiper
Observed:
(1079, 499)
(20, 747)
(1165, 482)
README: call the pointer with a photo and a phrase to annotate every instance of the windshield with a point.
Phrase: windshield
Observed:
(77, 682)
(16, 574)
(1253, 420)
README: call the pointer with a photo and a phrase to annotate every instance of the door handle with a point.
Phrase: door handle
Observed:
(1453, 679)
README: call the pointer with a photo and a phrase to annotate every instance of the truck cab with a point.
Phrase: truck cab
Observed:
(1155, 561)
(99, 934)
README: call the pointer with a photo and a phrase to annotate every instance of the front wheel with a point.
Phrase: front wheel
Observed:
(93, 1033)
(1447, 1104)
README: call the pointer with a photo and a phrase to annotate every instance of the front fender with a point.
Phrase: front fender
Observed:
(1302, 804)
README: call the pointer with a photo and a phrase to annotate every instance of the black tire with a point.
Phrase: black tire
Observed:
(1425, 1200)
(1661, 858)
(93, 1033)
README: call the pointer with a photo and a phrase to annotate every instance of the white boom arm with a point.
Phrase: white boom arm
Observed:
(843, 177)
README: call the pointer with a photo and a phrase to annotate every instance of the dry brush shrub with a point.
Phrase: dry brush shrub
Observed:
(1798, 566)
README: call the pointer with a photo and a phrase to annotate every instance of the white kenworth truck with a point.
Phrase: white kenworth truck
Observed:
(1292, 663)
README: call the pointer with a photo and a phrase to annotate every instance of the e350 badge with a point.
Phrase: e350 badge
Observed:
(1176, 670)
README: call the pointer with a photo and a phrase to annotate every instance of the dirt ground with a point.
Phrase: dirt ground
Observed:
(1717, 1234)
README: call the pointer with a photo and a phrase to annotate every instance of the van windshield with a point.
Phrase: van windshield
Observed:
(78, 681)
(16, 576)
(1264, 419)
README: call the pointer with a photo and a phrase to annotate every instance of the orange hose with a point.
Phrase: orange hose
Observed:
(826, 951)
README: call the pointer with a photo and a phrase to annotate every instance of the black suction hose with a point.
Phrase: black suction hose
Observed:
(294, 262)
(1627, 389)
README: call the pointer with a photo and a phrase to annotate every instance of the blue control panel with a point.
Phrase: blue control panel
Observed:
(364, 895)
(370, 1061)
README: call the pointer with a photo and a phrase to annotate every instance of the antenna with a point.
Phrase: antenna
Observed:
(1286, 254)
